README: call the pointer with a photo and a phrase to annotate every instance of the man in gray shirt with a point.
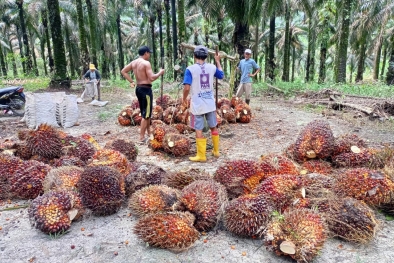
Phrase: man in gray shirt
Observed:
(247, 66)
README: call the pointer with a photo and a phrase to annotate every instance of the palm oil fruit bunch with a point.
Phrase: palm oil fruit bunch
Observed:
(233, 174)
(27, 181)
(356, 157)
(228, 113)
(349, 219)
(163, 101)
(204, 199)
(68, 161)
(23, 151)
(90, 139)
(154, 199)
(155, 145)
(78, 147)
(298, 233)
(50, 212)
(102, 190)
(63, 178)
(316, 166)
(372, 186)
(182, 114)
(135, 104)
(111, 158)
(157, 112)
(128, 148)
(279, 190)
(314, 141)
(169, 115)
(182, 128)
(173, 231)
(176, 144)
(123, 118)
(8, 166)
(23, 134)
(344, 143)
(247, 215)
(181, 179)
(235, 101)
(243, 113)
(136, 117)
(223, 101)
(45, 142)
(274, 164)
(145, 174)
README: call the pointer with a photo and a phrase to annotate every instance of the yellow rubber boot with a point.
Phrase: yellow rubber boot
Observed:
(215, 141)
(201, 144)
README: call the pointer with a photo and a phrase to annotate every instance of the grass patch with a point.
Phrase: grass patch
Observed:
(29, 84)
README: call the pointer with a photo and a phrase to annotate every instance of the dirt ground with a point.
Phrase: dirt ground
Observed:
(275, 125)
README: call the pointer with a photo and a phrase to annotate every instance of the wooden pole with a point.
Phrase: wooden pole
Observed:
(216, 83)
(212, 52)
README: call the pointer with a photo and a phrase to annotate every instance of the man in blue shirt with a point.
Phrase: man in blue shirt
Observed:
(199, 82)
(247, 66)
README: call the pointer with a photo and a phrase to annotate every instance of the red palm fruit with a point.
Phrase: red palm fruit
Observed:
(102, 189)
(298, 233)
(247, 215)
(23, 134)
(135, 104)
(8, 166)
(181, 179)
(27, 180)
(8, 144)
(136, 117)
(155, 123)
(173, 231)
(63, 178)
(45, 142)
(233, 174)
(111, 158)
(157, 112)
(361, 157)
(163, 101)
(373, 187)
(182, 113)
(143, 175)
(316, 166)
(159, 132)
(243, 113)
(176, 144)
(228, 113)
(344, 143)
(129, 110)
(235, 101)
(279, 190)
(223, 101)
(123, 119)
(50, 212)
(154, 199)
(155, 145)
(314, 141)
(381, 157)
(128, 148)
(169, 115)
(78, 147)
(22, 151)
(219, 119)
(289, 152)
(90, 139)
(183, 128)
(204, 199)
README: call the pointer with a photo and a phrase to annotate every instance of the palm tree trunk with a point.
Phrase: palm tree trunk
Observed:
(113, 59)
(361, 61)
(310, 63)
(2, 62)
(82, 38)
(390, 70)
(286, 57)
(42, 47)
(266, 61)
(29, 65)
(12, 55)
(21, 50)
(44, 17)
(378, 53)
(256, 43)
(152, 20)
(384, 61)
(174, 32)
(93, 35)
(60, 79)
(220, 31)
(181, 20)
(271, 50)
(293, 56)
(168, 35)
(241, 37)
(120, 45)
(323, 51)
(344, 41)
(34, 56)
(68, 46)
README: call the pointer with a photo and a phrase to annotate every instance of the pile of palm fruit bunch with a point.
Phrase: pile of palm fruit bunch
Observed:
(234, 110)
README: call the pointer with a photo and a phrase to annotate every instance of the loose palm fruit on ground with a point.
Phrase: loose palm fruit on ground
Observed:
(247, 215)
(344, 143)
(112, 158)
(157, 112)
(298, 233)
(173, 231)
(78, 147)
(181, 179)
(243, 113)
(371, 186)
(279, 190)
(314, 141)
(154, 199)
(45, 141)
(49, 212)
(204, 199)
(63, 178)
(128, 148)
(102, 190)
(26, 182)
(143, 175)
(361, 157)
(316, 166)
(235, 101)
(233, 174)
(176, 144)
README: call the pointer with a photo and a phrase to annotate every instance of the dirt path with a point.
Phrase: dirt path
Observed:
(110, 239)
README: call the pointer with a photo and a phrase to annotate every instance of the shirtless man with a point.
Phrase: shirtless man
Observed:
(143, 73)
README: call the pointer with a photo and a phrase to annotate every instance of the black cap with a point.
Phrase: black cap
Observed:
(200, 51)
(142, 50)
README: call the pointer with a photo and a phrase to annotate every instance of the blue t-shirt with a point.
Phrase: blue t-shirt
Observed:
(188, 76)
(247, 67)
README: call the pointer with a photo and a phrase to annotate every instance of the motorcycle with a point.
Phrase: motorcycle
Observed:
(12, 100)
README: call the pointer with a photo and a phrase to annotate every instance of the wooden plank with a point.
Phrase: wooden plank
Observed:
(361, 108)
(211, 52)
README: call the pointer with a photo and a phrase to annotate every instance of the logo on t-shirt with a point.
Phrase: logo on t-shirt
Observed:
(204, 81)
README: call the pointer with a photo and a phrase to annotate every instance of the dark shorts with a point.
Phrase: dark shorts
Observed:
(145, 99)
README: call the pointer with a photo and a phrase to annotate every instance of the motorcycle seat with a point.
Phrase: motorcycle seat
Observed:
(9, 89)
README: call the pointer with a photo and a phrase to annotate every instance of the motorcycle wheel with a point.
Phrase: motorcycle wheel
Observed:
(17, 105)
